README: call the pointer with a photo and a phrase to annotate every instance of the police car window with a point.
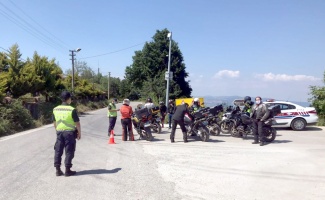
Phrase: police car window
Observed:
(287, 106)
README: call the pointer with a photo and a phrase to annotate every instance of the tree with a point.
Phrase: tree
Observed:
(147, 72)
(15, 83)
(318, 101)
(4, 65)
(3, 85)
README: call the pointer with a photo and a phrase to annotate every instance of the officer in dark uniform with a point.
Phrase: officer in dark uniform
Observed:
(178, 118)
(66, 121)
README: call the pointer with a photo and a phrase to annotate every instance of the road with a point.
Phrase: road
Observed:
(292, 167)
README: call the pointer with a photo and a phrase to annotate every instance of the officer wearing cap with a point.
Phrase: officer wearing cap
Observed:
(112, 115)
(67, 125)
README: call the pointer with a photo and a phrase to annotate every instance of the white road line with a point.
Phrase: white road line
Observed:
(25, 132)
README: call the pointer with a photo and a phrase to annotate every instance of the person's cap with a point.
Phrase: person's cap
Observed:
(65, 95)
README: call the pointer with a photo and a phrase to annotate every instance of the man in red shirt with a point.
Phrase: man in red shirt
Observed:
(126, 113)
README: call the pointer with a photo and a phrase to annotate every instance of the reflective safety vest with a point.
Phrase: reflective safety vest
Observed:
(112, 113)
(63, 118)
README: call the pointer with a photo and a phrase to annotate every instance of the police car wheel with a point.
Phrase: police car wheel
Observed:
(298, 124)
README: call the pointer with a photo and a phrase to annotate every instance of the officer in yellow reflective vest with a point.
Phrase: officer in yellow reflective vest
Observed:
(67, 125)
(112, 115)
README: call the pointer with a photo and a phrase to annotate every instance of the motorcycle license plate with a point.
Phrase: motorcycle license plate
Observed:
(157, 120)
(205, 123)
(147, 124)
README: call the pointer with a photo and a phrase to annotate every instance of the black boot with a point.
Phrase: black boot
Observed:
(68, 172)
(262, 143)
(185, 138)
(172, 140)
(58, 171)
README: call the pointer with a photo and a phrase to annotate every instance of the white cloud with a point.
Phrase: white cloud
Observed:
(226, 73)
(285, 77)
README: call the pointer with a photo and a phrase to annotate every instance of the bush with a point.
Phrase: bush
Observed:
(5, 127)
(46, 113)
(14, 117)
(321, 120)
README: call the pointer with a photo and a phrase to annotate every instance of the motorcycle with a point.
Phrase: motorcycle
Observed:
(198, 125)
(141, 120)
(228, 119)
(155, 120)
(214, 120)
(241, 125)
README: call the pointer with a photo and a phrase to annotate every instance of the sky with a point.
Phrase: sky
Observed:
(268, 48)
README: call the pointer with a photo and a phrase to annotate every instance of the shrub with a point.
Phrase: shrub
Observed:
(15, 118)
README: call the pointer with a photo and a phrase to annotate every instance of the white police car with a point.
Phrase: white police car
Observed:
(293, 115)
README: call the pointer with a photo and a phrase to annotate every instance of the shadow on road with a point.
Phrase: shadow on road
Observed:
(281, 141)
(83, 114)
(157, 140)
(98, 171)
(308, 128)
(193, 138)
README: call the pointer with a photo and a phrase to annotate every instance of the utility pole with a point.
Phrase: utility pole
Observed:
(72, 79)
(109, 75)
(72, 59)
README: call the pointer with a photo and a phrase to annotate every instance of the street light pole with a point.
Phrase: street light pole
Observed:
(109, 76)
(168, 74)
(72, 59)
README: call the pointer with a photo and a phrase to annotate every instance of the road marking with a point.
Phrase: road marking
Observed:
(25, 132)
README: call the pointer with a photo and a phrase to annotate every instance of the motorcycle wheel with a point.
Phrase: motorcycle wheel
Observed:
(214, 130)
(204, 134)
(225, 126)
(269, 134)
(156, 128)
(148, 134)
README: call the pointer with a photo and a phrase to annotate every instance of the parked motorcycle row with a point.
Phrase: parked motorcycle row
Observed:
(205, 122)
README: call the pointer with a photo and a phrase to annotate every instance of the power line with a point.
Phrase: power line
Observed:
(112, 51)
(67, 47)
(28, 27)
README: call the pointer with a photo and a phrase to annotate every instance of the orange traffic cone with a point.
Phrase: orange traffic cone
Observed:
(111, 138)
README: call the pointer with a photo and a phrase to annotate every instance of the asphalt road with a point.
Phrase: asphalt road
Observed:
(292, 167)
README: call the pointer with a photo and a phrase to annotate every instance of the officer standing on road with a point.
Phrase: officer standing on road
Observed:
(178, 118)
(171, 110)
(163, 110)
(112, 115)
(259, 114)
(126, 113)
(66, 121)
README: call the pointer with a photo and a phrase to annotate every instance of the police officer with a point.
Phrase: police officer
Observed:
(248, 105)
(178, 118)
(112, 115)
(259, 114)
(195, 106)
(67, 125)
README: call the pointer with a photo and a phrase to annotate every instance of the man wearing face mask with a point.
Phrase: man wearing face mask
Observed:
(259, 114)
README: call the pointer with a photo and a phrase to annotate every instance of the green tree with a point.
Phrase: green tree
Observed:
(15, 83)
(147, 72)
(3, 85)
(318, 101)
(38, 74)
(4, 65)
